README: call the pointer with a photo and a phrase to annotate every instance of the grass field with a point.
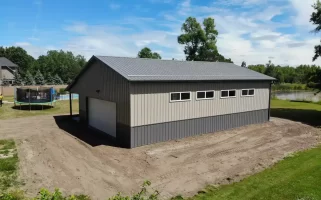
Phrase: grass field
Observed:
(305, 112)
(8, 98)
(62, 107)
(8, 165)
(294, 178)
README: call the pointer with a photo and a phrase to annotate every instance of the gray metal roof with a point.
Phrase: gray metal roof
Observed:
(137, 69)
(6, 62)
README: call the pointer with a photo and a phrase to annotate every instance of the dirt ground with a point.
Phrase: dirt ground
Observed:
(53, 158)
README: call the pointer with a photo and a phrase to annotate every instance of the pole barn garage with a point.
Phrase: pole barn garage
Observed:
(144, 101)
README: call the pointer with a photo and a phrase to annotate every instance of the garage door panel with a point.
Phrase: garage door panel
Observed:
(102, 115)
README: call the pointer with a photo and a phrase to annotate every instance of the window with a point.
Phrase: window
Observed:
(204, 95)
(224, 93)
(232, 93)
(248, 92)
(228, 93)
(180, 96)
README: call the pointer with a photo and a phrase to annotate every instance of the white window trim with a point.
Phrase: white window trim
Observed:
(180, 95)
(199, 99)
(249, 92)
(228, 94)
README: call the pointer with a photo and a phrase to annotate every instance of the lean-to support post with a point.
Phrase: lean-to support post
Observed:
(29, 100)
(70, 103)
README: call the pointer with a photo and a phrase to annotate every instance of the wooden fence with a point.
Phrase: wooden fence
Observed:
(9, 90)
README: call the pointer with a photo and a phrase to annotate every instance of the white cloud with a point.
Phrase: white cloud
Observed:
(184, 7)
(263, 41)
(80, 28)
(22, 44)
(114, 6)
(303, 10)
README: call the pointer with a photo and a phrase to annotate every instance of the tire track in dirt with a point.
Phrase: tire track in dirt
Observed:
(50, 157)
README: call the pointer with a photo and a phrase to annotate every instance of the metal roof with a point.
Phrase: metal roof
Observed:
(6, 62)
(138, 69)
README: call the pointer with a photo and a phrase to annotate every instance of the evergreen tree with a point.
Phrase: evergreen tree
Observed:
(57, 80)
(29, 80)
(50, 79)
(18, 78)
(5, 82)
(39, 79)
(69, 81)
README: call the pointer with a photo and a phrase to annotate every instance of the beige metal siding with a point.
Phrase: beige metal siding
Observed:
(150, 102)
(6, 74)
(112, 87)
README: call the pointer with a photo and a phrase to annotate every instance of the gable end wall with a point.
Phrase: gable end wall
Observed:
(113, 87)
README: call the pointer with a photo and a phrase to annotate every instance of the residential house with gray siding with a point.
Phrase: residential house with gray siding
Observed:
(7, 70)
(144, 101)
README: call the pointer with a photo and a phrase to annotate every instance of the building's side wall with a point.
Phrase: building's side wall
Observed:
(150, 102)
(112, 87)
(144, 135)
(154, 118)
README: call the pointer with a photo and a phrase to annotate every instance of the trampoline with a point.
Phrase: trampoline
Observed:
(42, 96)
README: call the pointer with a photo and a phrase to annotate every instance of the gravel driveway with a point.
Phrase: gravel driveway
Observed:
(53, 158)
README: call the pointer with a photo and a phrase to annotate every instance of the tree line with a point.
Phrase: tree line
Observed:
(305, 74)
(54, 68)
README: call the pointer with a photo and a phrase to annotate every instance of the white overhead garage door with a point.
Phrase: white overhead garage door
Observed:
(102, 115)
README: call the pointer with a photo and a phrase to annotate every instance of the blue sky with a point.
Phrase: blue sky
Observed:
(250, 30)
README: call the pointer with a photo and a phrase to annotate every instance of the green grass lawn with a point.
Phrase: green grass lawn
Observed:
(8, 165)
(305, 112)
(62, 107)
(294, 178)
(8, 98)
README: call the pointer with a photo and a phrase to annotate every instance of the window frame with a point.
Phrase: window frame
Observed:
(200, 99)
(248, 92)
(180, 96)
(228, 91)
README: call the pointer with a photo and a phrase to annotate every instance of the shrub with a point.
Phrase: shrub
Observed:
(62, 91)
(142, 195)
(45, 194)
(13, 195)
(290, 86)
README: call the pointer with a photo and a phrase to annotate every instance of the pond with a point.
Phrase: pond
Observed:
(298, 95)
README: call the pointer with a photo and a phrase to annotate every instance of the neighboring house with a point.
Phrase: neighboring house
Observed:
(7, 70)
(144, 101)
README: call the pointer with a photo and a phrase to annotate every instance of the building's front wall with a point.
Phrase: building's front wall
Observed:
(154, 118)
(101, 82)
(6, 74)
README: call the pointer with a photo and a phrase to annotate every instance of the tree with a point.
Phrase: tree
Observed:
(243, 64)
(200, 43)
(65, 64)
(147, 53)
(257, 68)
(28, 79)
(18, 56)
(57, 80)
(270, 69)
(18, 81)
(4, 82)
(39, 79)
(50, 79)
(316, 20)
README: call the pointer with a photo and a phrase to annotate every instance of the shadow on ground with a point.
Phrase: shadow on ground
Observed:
(310, 117)
(32, 107)
(83, 133)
